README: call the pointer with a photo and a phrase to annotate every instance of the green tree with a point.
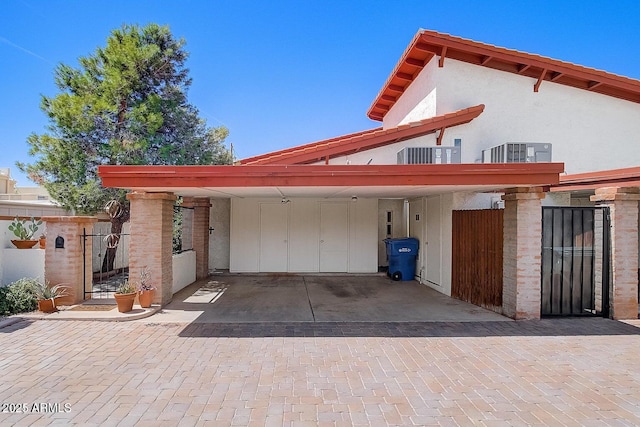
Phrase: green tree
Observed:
(125, 104)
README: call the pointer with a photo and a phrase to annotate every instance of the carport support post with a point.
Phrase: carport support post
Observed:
(522, 253)
(623, 208)
(67, 265)
(151, 244)
(200, 233)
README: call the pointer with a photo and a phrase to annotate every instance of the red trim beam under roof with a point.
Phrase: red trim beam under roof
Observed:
(507, 174)
(427, 44)
(366, 140)
(627, 177)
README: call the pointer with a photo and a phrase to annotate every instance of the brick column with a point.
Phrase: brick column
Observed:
(623, 207)
(522, 253)
(152, 240)
(68, 265)
(200, 233)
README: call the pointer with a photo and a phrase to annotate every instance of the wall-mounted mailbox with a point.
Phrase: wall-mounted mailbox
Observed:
(59, 242)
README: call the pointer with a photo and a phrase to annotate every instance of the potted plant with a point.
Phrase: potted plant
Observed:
(145, 289)
(125, 295)
(24, 232)
(43, 241)
(47, 295)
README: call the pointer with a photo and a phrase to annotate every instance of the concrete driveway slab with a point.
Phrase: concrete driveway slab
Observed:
(238, 298)
(379, 299)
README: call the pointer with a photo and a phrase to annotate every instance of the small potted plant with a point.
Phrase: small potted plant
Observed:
(43, 240)
(47, 295)
(125, 295)
(145, 289)
(24, 231)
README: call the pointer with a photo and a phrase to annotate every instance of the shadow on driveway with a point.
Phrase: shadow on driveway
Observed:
(545, 327)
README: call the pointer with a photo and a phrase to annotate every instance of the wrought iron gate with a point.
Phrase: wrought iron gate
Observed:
(107, 274)
(575, 261)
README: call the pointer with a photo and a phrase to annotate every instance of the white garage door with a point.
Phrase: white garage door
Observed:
(334, 237)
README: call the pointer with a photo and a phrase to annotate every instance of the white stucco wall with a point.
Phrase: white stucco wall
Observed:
(18, 263)
(184, 270)
(419, 101)
(300, 243)
(589, 131)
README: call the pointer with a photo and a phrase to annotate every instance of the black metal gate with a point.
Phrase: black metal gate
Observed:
(575, 261)
(110, 263)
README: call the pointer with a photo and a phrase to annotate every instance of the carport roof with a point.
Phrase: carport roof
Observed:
(381, 181)
(627, 177)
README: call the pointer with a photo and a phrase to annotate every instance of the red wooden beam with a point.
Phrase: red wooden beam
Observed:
(180, 177)
(539, 82)
(443, 54)
(404, 76)
(415, 62)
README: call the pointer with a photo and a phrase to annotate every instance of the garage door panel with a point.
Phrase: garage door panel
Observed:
(334, 237)
(274, 240)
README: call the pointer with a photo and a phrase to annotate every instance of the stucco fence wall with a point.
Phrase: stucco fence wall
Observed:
(18, 263)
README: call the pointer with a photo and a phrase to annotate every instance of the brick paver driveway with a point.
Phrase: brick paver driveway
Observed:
(549, 372)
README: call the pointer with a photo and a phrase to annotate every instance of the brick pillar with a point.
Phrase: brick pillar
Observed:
(151, 244)
(522, 253)
(68, 265)
(200, 233)
(623, 207)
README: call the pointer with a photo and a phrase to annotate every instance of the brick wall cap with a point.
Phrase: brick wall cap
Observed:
(524, 190)
(76, 219)
(151, 196)
(192, 202)
(523, 196)
(616, 193)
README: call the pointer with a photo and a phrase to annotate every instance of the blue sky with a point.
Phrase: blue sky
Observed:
(284, 73)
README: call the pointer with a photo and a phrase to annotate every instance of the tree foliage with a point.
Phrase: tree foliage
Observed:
(125, 104)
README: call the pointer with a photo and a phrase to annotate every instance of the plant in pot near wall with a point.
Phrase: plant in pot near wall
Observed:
(145, 289)
(24, 230)
(125, 295)
(47, 295)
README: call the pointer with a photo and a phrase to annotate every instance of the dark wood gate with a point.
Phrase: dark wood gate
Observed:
(575, 261)
(476, 275)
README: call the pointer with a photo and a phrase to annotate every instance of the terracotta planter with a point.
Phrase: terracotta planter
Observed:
(47, 305)
(43, 242)
(24, 244)
(125, 302)
(146, 298)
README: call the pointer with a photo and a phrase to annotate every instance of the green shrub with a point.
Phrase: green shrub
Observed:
(18, 297)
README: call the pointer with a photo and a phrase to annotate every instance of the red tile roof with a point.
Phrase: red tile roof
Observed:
(427, 44)
(366, 140)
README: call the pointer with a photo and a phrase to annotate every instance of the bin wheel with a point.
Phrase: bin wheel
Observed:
(396, 276)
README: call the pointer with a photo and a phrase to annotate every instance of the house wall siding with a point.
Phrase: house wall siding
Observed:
(580, 124)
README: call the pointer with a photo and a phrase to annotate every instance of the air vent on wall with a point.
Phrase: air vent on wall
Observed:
(428, 155)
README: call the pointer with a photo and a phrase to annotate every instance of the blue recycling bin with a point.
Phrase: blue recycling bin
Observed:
(402, 255)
